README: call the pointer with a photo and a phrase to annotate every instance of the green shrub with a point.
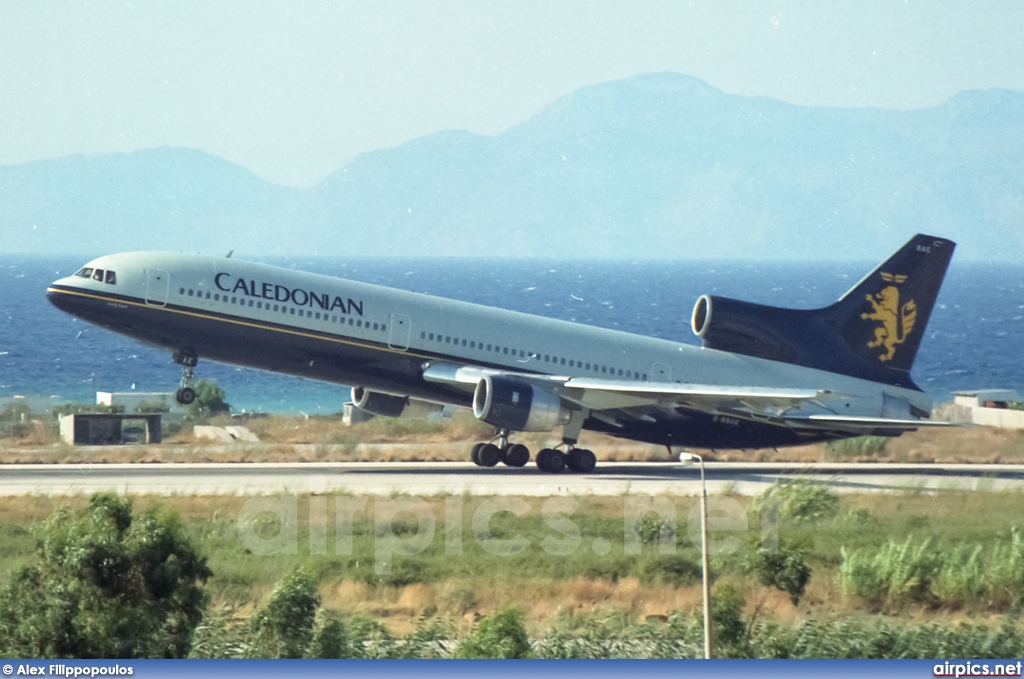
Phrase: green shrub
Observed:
(653, 529)
(859, 446)
(501, 635)
(671, 569)
(284, 627)
(785, 569)
(209, 402)
(728, 631)
(107, 584)
(800, 500)
(861, 517)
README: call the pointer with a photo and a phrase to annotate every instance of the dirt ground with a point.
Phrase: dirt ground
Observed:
(295, 439)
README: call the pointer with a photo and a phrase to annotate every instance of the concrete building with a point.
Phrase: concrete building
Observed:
(985, 407)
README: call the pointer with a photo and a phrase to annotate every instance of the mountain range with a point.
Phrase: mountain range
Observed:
(654, 166)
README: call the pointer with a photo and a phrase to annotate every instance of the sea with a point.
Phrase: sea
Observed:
(975, 339)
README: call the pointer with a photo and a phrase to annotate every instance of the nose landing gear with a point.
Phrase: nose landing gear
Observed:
(186, 395)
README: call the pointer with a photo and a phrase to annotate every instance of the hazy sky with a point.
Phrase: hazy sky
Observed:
(295, 89)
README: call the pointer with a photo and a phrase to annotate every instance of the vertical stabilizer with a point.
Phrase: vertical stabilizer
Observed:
(883, 318)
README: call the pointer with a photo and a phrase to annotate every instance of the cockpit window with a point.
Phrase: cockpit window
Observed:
(107, 276)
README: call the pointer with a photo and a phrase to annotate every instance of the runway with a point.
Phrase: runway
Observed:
(446, 478)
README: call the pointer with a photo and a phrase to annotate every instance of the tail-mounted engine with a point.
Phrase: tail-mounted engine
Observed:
(872, 332)
(508, 403)
(387, 405)
(751, 329)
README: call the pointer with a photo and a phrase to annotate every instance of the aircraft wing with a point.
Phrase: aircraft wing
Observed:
(615, 400)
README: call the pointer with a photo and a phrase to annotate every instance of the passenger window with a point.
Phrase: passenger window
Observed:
(111, 278)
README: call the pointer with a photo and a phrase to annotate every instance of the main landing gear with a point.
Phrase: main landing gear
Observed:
(498, 450)
(554, 460)
(186, 394)
(550, 460)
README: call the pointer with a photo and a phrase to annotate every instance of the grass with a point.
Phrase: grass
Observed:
(580, 566)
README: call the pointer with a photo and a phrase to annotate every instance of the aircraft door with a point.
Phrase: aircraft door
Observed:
(158, 284)
(661, 373)
(399, 332)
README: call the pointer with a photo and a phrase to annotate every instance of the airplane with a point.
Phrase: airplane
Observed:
(764, 377)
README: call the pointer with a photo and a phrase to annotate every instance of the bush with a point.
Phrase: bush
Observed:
(897, 572)
(283, 628)
(728, 631)
(859, 446)
(800, 500)
(785, 570)
(107, 584)
(209, 402)
(502, 635)
(671, 569)
(652, 529)
(964, 574)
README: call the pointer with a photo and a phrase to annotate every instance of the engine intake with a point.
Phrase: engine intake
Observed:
(387, 405)
(511, 404)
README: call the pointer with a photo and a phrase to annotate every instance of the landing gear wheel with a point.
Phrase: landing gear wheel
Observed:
(488, 455)
(582, 460)
(516, 455)
(475, 454)
(550, 460)
(186, 395)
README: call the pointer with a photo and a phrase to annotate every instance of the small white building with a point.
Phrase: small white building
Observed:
(987, 407)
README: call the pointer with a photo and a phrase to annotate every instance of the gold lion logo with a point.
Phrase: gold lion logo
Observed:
(897, 322)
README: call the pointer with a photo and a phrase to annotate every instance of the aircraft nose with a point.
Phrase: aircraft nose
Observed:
(58, 297)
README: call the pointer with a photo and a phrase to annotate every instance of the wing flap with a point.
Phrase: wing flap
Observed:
(861, 425)
(600, 394)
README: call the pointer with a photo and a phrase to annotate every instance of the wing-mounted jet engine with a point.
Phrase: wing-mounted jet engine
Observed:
(387, 405)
